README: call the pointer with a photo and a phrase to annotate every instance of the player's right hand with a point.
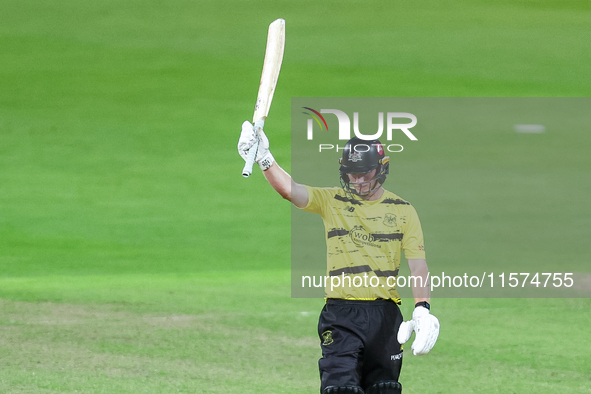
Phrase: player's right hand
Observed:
(247, 140)
(426, 327)
(250, 135)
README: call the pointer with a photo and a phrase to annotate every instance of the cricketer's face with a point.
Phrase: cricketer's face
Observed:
(363, 183)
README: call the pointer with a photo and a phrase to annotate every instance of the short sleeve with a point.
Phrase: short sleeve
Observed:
(317, 199)
(413, 243)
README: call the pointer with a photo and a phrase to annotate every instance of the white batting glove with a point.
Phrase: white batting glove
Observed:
(247, 139)
(250, 135)
(426, 327)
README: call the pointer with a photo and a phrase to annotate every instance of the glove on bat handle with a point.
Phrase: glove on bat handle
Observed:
(252, 154)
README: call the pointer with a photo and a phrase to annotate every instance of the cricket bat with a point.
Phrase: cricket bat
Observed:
(271, 68)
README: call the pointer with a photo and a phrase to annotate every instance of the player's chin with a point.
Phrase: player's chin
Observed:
(362, 194)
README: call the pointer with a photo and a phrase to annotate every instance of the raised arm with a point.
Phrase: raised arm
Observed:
(276, 176)
(285, 186)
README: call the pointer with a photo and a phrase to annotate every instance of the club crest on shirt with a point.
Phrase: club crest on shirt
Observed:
(390, 220)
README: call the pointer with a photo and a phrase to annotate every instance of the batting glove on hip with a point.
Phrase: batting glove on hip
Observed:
(253, 137)
(426, 327)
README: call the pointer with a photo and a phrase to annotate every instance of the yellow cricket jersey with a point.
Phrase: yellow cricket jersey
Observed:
(364, 241)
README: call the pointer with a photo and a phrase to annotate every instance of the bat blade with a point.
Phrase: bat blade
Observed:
(271, 68)
(269, 76)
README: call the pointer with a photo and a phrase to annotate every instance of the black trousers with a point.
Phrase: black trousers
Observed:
(359, 345)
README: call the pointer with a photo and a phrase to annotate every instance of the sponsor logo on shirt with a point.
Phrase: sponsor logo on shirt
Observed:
(361, 237)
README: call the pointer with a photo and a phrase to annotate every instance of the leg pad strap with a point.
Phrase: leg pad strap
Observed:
(343, 390)
(385, 388)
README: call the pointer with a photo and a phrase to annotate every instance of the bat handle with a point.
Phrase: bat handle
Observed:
(252, 154)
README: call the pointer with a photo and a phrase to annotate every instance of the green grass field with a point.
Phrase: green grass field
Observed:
(135, 258)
